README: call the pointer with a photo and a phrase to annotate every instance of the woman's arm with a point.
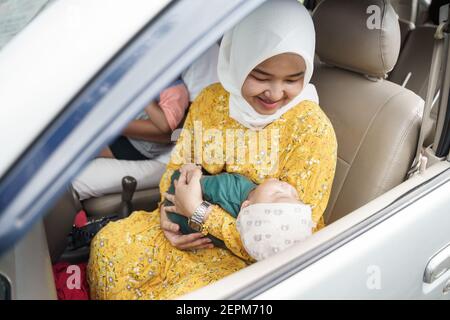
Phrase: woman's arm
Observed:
(219, 223)
(182, 153)
(188, 197)
(311, 165)
(222, 225)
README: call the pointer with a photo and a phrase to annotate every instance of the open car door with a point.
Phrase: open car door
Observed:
(108, 88)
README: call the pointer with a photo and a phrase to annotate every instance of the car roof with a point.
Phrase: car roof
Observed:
(47, 63)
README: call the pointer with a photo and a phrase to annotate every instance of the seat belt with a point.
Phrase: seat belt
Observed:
(420, 161)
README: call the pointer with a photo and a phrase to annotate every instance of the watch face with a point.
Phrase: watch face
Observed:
(195, 225)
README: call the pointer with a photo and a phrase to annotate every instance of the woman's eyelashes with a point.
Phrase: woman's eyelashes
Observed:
(291, 81)
(294, 80)
(259, 79)
(288, 81)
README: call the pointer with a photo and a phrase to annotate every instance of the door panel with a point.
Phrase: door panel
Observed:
(28, 269)
(386, 262)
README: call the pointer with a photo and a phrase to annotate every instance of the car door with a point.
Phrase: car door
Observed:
(110, 100)
(402, 252)
(35, 172)
(394, 247)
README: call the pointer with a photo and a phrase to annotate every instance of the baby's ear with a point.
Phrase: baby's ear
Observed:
(245, 204)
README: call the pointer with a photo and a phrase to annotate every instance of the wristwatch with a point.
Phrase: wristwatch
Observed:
(198, 217)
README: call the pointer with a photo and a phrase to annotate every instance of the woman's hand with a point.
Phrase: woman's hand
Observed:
(182, 242)
(188, 195)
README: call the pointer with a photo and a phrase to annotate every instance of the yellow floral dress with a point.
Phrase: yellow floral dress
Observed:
(132, 259)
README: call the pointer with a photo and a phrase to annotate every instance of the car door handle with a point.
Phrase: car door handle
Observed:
(437, 266)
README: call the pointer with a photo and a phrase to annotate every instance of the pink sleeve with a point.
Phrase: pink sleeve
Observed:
(173, 102)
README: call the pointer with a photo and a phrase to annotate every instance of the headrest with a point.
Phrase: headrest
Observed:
(404, 9)
(433, 10)
(358, 35)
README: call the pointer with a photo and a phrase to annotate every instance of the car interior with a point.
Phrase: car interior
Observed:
(375, 150)
(372, 86)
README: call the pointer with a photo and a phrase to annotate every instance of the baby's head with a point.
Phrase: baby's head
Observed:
(273, 219)
(272, 191)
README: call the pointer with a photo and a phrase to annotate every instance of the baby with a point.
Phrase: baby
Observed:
(270, 216)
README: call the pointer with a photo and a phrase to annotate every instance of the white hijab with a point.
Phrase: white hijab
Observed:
(276, 27)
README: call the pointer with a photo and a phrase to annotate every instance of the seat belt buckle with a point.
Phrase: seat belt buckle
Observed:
(419, 166)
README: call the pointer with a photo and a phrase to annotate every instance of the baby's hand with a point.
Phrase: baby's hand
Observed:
(189, 168)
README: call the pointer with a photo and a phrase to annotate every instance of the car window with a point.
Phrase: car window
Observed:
(108, 102)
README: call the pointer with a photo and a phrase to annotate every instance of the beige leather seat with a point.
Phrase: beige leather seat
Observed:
(415, 59)
(415, 62)
(416, 55)
(142, 200)
(376, 121)
(405, 10)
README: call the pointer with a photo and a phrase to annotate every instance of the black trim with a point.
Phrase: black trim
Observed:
(122, 149)
(443, 148)
(310, 4)
(5, 288)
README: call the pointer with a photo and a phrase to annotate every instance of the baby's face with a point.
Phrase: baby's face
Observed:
(274, 191)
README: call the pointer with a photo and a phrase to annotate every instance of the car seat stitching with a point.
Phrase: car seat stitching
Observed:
(380, 38)
(364, 138)
(405, 134)
(371, 123)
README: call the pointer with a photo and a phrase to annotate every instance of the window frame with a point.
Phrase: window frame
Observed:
(106, 104)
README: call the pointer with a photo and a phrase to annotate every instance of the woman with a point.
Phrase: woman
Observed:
(265, 65)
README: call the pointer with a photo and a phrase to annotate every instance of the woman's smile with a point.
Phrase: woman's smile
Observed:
(269, 104)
